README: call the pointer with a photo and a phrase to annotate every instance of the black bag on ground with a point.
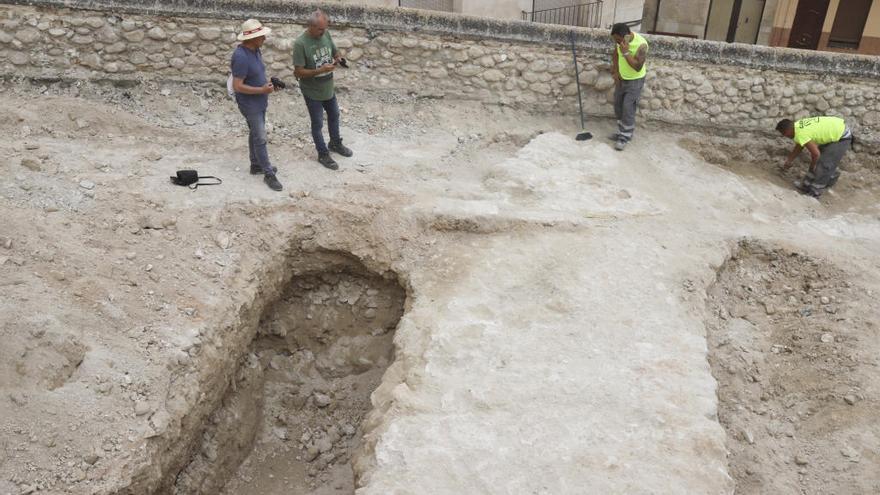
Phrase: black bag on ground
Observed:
(190, 178)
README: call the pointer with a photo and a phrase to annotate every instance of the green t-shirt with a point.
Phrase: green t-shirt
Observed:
(820, 130)
(313, 53)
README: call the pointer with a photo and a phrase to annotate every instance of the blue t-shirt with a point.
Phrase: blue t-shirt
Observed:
(248, 65)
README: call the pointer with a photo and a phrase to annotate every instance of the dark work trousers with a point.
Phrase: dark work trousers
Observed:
(826, 173)
(626, 102)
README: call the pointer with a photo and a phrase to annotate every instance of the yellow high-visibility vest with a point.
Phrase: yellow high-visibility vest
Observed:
(626, 72)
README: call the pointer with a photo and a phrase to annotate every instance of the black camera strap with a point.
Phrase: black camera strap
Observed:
(216, 181)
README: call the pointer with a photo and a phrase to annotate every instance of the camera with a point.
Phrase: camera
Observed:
(278, 83)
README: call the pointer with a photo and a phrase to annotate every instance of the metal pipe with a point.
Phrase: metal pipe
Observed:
(657, 15)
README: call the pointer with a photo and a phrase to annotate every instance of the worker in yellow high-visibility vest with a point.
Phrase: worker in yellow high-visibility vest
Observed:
(628, 69)
(827, 139)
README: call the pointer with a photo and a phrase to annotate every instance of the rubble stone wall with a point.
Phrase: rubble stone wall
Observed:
(440, 55)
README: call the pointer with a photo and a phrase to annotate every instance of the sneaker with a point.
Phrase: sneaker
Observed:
(272, 182)
(256, 170)
(614, 137)
(327, 161)
(621, 144)
(340, 149)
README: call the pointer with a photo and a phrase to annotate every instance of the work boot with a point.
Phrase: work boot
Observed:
(833, 181)
(802, 184)
(272, 182)
(257, 170)
(621, 145)
(338, 147)
(327, 161)
(806, 190)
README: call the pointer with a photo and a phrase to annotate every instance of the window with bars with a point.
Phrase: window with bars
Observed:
(442, 5)
(584, 13)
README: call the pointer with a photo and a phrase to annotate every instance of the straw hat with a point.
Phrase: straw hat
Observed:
(251, 29)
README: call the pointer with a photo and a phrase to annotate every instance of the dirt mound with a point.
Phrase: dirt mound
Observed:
(793, 346)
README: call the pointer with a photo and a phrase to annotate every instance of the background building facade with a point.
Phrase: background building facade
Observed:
(851, 26)
(588, 13)
(741, 21)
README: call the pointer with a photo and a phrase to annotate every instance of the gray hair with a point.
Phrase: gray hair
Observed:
(316, 17)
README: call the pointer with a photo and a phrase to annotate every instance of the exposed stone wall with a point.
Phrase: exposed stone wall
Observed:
(747, 88)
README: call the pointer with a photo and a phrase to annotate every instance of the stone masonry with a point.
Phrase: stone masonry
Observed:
(49, 42)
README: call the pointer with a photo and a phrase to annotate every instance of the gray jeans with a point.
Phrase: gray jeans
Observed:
(626, 102)
(257, 139)
(826, 173)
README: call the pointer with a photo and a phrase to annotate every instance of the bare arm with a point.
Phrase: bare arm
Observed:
(814, 155)
(615, 70)
(301, 72)
(791, 156)
(638, 60)
(239, 86)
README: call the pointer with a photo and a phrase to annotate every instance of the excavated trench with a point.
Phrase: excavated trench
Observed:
(760, 157)
(290, 421)
(793, 345)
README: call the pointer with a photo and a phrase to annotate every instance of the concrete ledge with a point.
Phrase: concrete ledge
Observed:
(290, 11)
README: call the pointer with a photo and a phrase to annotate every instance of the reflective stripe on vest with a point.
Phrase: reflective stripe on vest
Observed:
(627, 72)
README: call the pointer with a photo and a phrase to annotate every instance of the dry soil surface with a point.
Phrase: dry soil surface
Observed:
(473, 303)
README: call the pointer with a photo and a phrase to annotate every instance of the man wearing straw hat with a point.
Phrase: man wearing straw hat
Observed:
(252, 89)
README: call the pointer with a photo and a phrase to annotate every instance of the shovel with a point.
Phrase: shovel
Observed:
(584, 135)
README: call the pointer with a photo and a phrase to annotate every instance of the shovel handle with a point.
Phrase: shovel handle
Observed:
(577, 78)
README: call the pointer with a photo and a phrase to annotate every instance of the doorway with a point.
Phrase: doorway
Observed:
(808, 21)
(849, 23)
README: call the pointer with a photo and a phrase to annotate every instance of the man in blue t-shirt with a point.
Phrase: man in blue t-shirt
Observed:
(252, 90)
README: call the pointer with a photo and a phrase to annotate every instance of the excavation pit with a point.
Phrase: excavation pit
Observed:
(792, 344)
(759, 156)
(291, 419)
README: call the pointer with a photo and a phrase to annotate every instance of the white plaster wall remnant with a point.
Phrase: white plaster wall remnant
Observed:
(683, 17)
(622, 11)
(372, 3)
(498, 9)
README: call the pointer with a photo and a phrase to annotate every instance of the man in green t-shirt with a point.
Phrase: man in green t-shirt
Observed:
(315, 57)
(827, 139)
